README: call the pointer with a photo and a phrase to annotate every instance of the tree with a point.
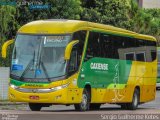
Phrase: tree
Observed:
(140, 21)
(145, 21)
(113, 12)
(155, 23)
(58, 9)
(8, 27)
(65, 9)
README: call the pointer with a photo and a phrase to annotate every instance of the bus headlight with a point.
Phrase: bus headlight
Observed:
(13, 86)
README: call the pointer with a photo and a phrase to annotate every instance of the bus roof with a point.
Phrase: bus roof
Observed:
(62, 26)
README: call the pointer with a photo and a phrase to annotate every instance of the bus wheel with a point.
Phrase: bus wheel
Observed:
(84, 105)
(95, 106)
(135, 100)
(35, 106)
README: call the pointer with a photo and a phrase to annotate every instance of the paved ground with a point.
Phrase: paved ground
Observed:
(148, 111)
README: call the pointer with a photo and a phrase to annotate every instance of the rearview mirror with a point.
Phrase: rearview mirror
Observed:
(5, 46)
(68, 49)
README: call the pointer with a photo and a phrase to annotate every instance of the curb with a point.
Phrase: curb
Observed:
(13, 103)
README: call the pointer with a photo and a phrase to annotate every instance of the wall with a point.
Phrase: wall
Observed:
(4, 80)
(149, 3)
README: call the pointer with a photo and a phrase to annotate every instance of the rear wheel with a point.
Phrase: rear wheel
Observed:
(135, 100)
(84, 105)
(35, 106)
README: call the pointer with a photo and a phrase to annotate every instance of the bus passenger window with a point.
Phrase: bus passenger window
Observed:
(153, 55)
(129, 56)
(73, 65)
(93, 47)
(89, 54)
(141, 57)
(79, 35)
(106, 46)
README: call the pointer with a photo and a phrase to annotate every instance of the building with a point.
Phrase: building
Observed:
(149, 3)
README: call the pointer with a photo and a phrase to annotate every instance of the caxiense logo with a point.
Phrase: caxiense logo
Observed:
(99, 66)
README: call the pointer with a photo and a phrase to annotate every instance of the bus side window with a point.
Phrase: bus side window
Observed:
(129, 56)
(93, 46)
(73, 63)
(76, 54)
(106, 46)
(151, 49)
(153, 55)
(141, 56)
(79, 35)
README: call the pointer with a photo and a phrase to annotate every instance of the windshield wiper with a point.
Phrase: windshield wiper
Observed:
(40, 62)
(45, 71)
(28, 66)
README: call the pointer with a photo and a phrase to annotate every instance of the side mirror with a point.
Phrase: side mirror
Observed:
(5, 46)
(68, 49)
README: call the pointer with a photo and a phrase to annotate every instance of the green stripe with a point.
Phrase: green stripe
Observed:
(20, 83)
(116, 86)
(15, 82)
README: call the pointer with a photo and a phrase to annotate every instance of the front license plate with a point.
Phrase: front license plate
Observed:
(34, 97)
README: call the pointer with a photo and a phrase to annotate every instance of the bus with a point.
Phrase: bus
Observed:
(158, 76)
(80, 63)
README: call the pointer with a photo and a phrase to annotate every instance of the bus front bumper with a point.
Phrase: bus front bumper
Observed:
(55, 97)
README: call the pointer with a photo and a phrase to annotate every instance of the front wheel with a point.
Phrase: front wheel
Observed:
(35, 106)
(84, 105)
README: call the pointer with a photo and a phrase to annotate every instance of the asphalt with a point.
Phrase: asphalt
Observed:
(21, 111)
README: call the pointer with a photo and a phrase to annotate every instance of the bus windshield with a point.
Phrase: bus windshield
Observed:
(39, 56)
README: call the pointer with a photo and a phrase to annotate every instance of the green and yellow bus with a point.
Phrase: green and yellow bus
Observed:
(81, 63)
(158, 76)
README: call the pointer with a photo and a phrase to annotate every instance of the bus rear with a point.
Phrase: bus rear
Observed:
(158, 76)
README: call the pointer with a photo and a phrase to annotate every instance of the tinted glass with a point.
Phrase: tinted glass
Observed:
(130, 56)
(76, 54)
(140, 57)
(39, 56)
(116, 47)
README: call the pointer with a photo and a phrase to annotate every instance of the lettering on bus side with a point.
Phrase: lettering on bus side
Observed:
(99, 66)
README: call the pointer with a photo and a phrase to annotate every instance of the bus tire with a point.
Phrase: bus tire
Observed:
(135, 100)
(95, 106)
(85, 103)
(35, 106)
